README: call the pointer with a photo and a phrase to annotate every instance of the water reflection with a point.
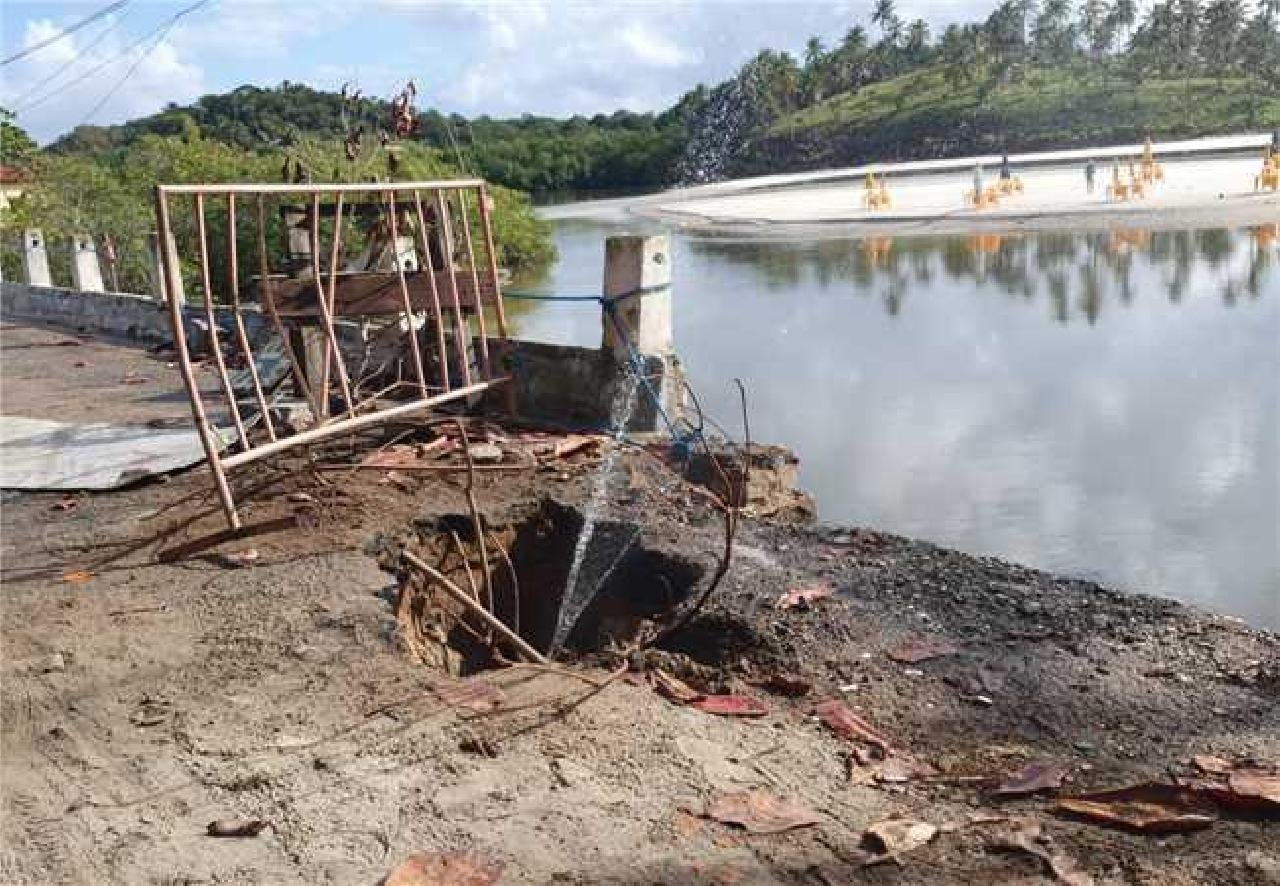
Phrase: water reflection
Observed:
(1101, 403)
(1080, 274)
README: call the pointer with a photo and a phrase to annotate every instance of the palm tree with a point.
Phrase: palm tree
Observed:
(886, 16)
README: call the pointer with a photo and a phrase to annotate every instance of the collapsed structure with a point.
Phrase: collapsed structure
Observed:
(375, 296)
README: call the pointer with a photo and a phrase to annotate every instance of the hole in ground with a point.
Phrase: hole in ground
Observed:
(622, 580)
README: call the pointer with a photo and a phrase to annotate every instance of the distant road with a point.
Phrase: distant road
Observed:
(1208, 180)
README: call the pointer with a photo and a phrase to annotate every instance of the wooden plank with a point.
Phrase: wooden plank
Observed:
(365, 294)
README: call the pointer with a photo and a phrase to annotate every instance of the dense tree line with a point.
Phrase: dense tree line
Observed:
(1050, 58)
(750, 123)
(107, 193)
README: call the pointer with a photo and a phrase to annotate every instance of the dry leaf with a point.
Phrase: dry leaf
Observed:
(474, 694)
(78, 576)
(915, 651)
(673, 688)
(731, 706)
(841, 720)
(445, 869)
(805, 596)
(1210, 764)
(1031, 779)
(902, 768)
(895, 835)
(1143, 809)
(759, 812)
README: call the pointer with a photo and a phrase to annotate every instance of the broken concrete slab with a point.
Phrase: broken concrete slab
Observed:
(40, 454)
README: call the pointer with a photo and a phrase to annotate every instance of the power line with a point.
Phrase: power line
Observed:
(164, 30)
(166, 25)
(112, 26)
(106, 10)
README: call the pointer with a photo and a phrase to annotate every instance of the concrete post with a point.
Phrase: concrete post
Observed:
(406, 253)
(637, 281)
(157, 267)
(86, 275)
(35, 260)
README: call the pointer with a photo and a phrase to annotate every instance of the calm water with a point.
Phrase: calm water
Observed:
(1102, 404)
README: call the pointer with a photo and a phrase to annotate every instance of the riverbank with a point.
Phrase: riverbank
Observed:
(158, 679)
(1207, 182)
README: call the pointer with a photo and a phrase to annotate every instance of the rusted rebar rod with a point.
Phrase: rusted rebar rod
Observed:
(486, 224)
(242, 335)
(461, 597)
(267, 296)
(418, 367)
(323, 300)
(173, 284)
(437, 314)
(215, 343)
(485, 368)
(461, 329)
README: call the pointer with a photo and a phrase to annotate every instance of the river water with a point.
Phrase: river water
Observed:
(1100, 404)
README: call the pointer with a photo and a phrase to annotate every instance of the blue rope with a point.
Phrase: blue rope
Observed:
(682, 443)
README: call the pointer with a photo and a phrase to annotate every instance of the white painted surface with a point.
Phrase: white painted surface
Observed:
(40, 454)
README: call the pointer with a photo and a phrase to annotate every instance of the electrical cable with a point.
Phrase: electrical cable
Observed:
(65, 32)
(164, 26)
(112, 26)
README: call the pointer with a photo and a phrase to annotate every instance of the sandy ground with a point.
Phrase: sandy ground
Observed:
(170, 690)
(1201, 187)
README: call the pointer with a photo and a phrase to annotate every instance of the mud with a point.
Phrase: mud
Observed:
(172, 690)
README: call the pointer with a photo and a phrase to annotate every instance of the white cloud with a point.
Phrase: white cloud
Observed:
(654, 49)
(58, 52)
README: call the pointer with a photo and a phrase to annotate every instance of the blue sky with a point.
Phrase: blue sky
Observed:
(500, 57)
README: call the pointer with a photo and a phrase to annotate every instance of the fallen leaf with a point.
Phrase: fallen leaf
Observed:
(841, 720)
(673, 688)
(1031, 779)
(896, 835)
(78, 576)
(916, 651)
(445, 869)
(234, 827)
(805, 595)
(759, 812)
(1259, 786)
(902, 768)
(1143, 809)
(1210, 764)
(474, 694)
(573, 443)
(731, 705)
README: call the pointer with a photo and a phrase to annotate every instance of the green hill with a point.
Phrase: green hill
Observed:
(926, 114)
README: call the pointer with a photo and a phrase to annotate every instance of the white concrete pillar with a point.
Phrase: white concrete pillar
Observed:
(86, 274)
(406, 253)
(35, 260)
(637, 291)
(157, 267)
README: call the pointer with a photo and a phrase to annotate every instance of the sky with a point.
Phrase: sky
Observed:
(496, 57)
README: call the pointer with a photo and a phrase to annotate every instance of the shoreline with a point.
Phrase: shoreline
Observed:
(1207, 182)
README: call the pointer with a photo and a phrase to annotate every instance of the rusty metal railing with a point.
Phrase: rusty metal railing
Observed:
(418, 279)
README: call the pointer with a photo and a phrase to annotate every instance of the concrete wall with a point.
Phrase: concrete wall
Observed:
(578, 387)
(138, 317)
